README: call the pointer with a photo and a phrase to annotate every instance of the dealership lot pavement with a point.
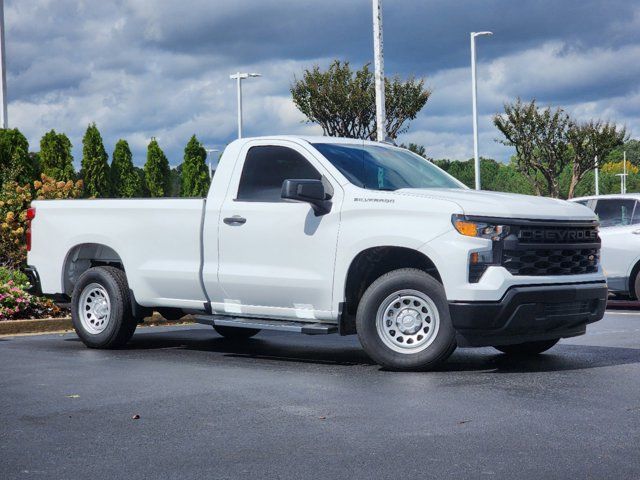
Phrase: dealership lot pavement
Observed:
(289, 406)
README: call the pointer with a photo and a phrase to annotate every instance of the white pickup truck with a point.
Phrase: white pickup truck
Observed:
(322, 235)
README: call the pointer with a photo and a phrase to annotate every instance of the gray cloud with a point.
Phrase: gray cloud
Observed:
(143, 68)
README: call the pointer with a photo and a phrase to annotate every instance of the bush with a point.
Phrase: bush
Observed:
(15, 304)
(16, 276)
(14, 203)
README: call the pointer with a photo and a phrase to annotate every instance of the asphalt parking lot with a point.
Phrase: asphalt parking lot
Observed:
(289, 406)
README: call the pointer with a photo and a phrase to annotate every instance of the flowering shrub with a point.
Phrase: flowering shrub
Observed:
(16, 276)
(15, 303)
(13, 218)
(50, 189)
(14, 202)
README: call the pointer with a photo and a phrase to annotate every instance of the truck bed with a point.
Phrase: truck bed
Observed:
(158, 239)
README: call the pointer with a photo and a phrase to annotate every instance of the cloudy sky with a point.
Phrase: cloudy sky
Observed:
(143, 68)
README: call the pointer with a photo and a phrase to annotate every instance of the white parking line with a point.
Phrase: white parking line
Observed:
(611, 312)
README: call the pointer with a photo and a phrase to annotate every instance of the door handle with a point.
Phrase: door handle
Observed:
(235, 220)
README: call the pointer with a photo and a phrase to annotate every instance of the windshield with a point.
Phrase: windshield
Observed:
(383, 168)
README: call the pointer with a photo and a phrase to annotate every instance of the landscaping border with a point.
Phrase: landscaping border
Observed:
(63, 324)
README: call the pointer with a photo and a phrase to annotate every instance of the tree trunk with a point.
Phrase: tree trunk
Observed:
(572, 185)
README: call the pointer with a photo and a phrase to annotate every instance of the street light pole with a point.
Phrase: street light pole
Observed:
(597, 178)
(209, 152)
(239, 77)
(378, 56)
(624, 171)
(4, 119)
(474, 96)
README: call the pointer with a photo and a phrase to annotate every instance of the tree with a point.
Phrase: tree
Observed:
(156, 171)
(632, 149)
(124, 178)
(540, 139)
(144, 191)
(415, 148)
(16, 164)
(590, 140)
(195, 173)
(56, 159)
(95, 164)
(342, 101)
(617, 168)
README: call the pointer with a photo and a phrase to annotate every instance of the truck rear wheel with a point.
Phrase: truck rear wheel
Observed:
(403, 321)
(235, 333)
(101, 308)
(527, 348)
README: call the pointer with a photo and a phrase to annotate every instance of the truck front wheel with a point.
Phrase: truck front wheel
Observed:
(403, 321)
(101, 308)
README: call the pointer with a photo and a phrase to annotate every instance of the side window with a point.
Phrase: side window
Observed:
(615, 212)
(266, 168)
(636, 214)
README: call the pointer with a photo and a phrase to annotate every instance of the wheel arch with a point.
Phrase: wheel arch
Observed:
(370, 264)
(84, 256)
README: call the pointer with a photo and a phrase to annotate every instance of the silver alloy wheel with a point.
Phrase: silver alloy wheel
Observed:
(407, 321)
(94, 308)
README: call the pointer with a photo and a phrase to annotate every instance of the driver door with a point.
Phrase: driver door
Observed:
(276, 256)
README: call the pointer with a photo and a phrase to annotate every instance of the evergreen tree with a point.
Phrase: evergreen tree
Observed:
(125, 181)
(144, 191)
(16, 164)
(95, 164)
(195, 174)
(156, 171)
(56, 159)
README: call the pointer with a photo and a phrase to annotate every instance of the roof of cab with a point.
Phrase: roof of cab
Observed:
(630, 196)
(318, 139)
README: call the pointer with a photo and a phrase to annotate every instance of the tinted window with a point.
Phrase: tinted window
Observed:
(383, 168)
(615, 212)
(265, 168)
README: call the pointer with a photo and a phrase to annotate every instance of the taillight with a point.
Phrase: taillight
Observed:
(31, 214)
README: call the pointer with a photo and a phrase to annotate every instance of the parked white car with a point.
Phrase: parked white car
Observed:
(321, 235)
(619, 217)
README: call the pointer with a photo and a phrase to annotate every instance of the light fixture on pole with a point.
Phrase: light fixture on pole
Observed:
(4, 120)
(474, 95)
(378, 56)
(209, 152)
(239, 77)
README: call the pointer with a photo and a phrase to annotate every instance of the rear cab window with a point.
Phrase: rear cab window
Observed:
(265, 169)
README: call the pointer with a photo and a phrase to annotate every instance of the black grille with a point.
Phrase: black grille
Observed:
(557, 234)
(551, 261)
(570, 308)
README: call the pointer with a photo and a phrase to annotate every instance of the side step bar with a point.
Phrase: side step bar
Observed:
(267, 324)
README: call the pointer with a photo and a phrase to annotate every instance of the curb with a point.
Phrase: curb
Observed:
(51, 325)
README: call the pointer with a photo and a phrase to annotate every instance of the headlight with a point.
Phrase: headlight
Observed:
(473, 228)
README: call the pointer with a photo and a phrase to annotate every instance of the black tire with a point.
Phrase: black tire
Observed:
(377, 345)
(235, 333)
(118, 325)
(636, 286)
(527, 348)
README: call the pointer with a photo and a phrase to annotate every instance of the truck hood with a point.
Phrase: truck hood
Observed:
(505, 205)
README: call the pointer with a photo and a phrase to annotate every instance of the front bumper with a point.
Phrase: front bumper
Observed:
(529, 313)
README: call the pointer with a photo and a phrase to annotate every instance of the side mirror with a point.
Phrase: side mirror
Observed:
(309, 191)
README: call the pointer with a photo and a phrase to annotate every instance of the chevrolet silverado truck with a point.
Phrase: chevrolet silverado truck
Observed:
(323, 235)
